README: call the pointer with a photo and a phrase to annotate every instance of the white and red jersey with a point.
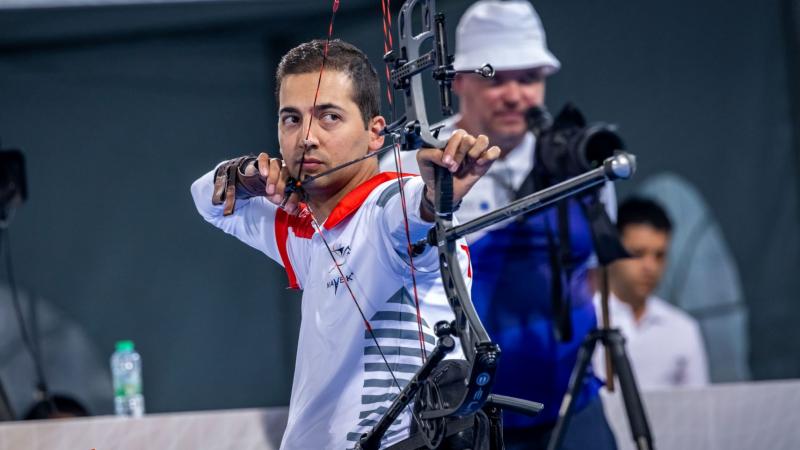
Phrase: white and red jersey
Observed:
(341, 383)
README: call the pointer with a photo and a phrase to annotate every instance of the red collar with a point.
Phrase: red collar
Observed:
(355, 198)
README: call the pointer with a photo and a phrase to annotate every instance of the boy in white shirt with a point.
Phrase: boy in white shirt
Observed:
(363, 334)
(664, 343)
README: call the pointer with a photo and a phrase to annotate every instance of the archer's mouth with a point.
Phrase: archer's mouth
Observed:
(311, 164)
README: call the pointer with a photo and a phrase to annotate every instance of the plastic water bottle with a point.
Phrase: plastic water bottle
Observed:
(126, 369)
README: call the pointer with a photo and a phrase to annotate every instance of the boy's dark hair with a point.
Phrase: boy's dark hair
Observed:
(642, 211)
(342, 57)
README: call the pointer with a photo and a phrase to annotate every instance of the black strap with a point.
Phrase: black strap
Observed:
(561, 269)
(561, 266)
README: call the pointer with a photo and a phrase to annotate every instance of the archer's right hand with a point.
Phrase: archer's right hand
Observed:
(275, 175)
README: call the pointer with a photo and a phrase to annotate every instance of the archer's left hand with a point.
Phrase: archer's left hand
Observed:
(468, 158)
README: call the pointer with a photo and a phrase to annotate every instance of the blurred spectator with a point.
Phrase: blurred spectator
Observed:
(699, 252)
(664, 343)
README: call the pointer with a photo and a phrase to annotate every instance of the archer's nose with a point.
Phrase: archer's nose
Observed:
(309, 139)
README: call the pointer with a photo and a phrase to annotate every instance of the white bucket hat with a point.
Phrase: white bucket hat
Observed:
(506, 34)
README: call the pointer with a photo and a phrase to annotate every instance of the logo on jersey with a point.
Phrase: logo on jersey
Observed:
(340, 254)
(340, 280)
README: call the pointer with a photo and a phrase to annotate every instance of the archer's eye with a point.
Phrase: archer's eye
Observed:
(289, 120)
(329, 118)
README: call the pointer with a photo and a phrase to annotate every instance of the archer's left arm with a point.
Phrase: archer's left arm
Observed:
(393, 225)
(393, 221)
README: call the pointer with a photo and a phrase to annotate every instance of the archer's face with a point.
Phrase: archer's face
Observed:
(639, 276)
(338, 133)
(496, 107)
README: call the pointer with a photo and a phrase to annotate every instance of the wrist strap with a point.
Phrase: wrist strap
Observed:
(230, 183)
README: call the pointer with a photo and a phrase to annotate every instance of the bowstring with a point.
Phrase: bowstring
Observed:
(410, 251)
(388, 45)
(306, 145)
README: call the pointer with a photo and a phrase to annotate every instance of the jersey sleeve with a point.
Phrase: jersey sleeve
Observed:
(389, 215)
(252, 221)
(395, 242)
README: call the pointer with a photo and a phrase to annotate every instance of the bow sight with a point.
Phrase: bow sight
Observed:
(411, 128)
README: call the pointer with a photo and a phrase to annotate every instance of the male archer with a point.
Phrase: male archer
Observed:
(343, 240)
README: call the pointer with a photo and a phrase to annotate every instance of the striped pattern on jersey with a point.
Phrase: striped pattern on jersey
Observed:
(396, 330)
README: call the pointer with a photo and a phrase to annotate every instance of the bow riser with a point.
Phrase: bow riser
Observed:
(416, 131)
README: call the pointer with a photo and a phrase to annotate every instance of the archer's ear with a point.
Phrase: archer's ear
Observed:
(376, 139)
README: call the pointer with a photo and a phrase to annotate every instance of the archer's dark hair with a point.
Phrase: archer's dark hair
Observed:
(642, 211)
(342, 57)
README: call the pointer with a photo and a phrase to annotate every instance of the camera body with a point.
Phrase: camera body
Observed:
(567, 146)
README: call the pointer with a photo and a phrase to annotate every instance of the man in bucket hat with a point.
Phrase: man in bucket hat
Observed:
(513, 274)
(509, 36)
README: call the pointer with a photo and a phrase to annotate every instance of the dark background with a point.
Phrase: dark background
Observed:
(118, 109)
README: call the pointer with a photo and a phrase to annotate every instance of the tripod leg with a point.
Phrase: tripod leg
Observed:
(640, 429)
(573, 389)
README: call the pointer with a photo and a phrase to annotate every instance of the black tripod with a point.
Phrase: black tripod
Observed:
(616, 360)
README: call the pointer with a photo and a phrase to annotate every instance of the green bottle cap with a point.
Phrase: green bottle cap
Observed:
(123, 346)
